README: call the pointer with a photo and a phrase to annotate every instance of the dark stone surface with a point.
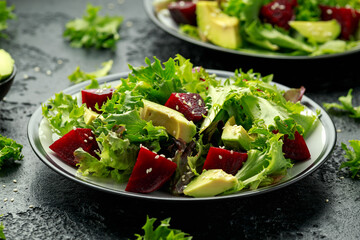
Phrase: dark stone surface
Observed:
(324, 205)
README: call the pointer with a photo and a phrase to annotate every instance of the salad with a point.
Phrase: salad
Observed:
(175, 127)
(271, 27)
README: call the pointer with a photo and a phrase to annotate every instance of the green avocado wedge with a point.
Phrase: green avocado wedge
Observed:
(320, 31)
(7, 64)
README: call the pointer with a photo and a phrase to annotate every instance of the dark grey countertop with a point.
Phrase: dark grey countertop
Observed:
(324, 205)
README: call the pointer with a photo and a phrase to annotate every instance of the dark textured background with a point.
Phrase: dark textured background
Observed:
(324, 205)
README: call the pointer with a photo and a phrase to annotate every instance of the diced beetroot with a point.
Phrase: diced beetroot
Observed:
(92, 96)
(296, 149)
(150, 172)
(183, 12)
(294, 94)
(347, 17)
(76, 138)
(279, 12)
(189, 104)
(227, 160)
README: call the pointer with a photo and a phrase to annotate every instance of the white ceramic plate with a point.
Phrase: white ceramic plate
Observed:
(164, 21)
(320, 142)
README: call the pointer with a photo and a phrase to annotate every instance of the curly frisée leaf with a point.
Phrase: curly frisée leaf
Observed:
(92, 30)
(353, 157)
(79, 76)
(163, 231)
(10, 150)
(63, 113)
(345, 105)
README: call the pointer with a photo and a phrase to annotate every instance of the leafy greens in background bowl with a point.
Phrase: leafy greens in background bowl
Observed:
(272, 29)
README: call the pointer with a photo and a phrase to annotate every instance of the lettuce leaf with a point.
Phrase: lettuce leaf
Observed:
(163, 231)
(80, 76)
(63, 113)
(261, 166)
(117, 158)
(345, 105)
(353, 157)
(6, 13)
(93, 30)
(10, 150)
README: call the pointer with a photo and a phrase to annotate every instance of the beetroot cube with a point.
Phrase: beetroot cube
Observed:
(150, 172)
(189, 104)
(347, 17)
(183, 12)
(91, 97)
(227, 160)
(279, 12)
(296, 149)
(76, 138)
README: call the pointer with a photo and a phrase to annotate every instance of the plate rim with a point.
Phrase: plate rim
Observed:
(151, 14)
(34, 140)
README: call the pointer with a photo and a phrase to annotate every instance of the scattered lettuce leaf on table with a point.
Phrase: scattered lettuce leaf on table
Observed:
(10, 150)
(353, 157)
(2, 235)
(6, 13)
(80, 76)
(93, 30)
(345, 105)
(163, 231)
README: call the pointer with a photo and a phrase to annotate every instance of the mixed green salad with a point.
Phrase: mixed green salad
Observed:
(270, 27)
(176, 127)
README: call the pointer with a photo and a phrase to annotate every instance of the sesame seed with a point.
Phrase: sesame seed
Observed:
(85, 140)
(177, 95)
(177, 107)
(192, 112)
(26, 76)
(148, 170)
(91, 138)
(338, 130)
(220, 157)
(14, 181)
(129, 24)
(199, 102)
(60, 62)
(327, 200)
(12, 199)
(5, 199)
(15, 190)
(48, 72)
(31, 206)
(194, 96)
(4, 185)
(157, 157)
(162, 155)
(231, 152)
(37, 69)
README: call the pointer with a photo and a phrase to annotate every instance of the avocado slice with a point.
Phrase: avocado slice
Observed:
(320, 31)
(7, 64)
(236, 137)
(216, 26)
(174, 122)
(89, 116)
(210, 183)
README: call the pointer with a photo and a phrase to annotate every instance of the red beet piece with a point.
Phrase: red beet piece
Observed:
(183, 12)
(347, 17)
(296, 149)
(279, 12)
(227, 160)
(189, 104)
(150, 172)
(76, 138)
(92, 96)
